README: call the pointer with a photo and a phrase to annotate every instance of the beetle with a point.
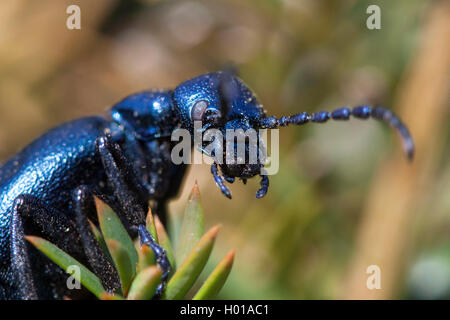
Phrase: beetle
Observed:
(124, 159)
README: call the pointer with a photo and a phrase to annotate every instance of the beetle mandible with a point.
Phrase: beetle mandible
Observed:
(124, 159)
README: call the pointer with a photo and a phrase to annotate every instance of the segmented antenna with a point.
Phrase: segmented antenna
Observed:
(360, 112)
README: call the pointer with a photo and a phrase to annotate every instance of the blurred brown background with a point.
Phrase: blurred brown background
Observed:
(344, 198)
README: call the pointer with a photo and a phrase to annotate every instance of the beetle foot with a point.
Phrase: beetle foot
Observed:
(264, 186)
(161, 258)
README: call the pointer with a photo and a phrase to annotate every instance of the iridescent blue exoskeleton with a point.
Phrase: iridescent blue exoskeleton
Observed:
(124, 159)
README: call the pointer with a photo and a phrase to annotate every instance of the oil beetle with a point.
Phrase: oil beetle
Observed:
(47, 189)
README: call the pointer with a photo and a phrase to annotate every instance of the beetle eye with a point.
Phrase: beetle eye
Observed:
(198, 110)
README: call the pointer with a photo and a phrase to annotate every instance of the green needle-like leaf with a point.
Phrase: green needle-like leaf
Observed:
(189, 271)
(108, 296)
(99, 237)
(150, 224)
(146, 257)
(216, 279)
(165, 241)
(113, 229)
(122, 262)
(192, 227)
(62, 259)
(145, 283)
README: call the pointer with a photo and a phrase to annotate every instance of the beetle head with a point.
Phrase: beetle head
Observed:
(222, 101)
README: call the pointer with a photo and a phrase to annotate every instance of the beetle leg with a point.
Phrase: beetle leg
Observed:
(123, 178)
(219, 181)
(22, 284)
(47, 221)
(100, 264)
(126, 187)
(264, 186)
(161, 257)
(30, 215)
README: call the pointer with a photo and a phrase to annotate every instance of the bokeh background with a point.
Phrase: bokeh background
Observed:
(345, 196)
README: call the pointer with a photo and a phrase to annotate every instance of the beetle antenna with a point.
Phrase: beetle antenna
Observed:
(360, 112)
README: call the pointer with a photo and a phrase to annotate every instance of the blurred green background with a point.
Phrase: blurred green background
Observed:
(344, 198)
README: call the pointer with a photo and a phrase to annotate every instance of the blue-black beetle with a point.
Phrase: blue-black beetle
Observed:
(47, 189)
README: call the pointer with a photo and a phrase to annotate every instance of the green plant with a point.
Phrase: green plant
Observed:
(135, 264)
